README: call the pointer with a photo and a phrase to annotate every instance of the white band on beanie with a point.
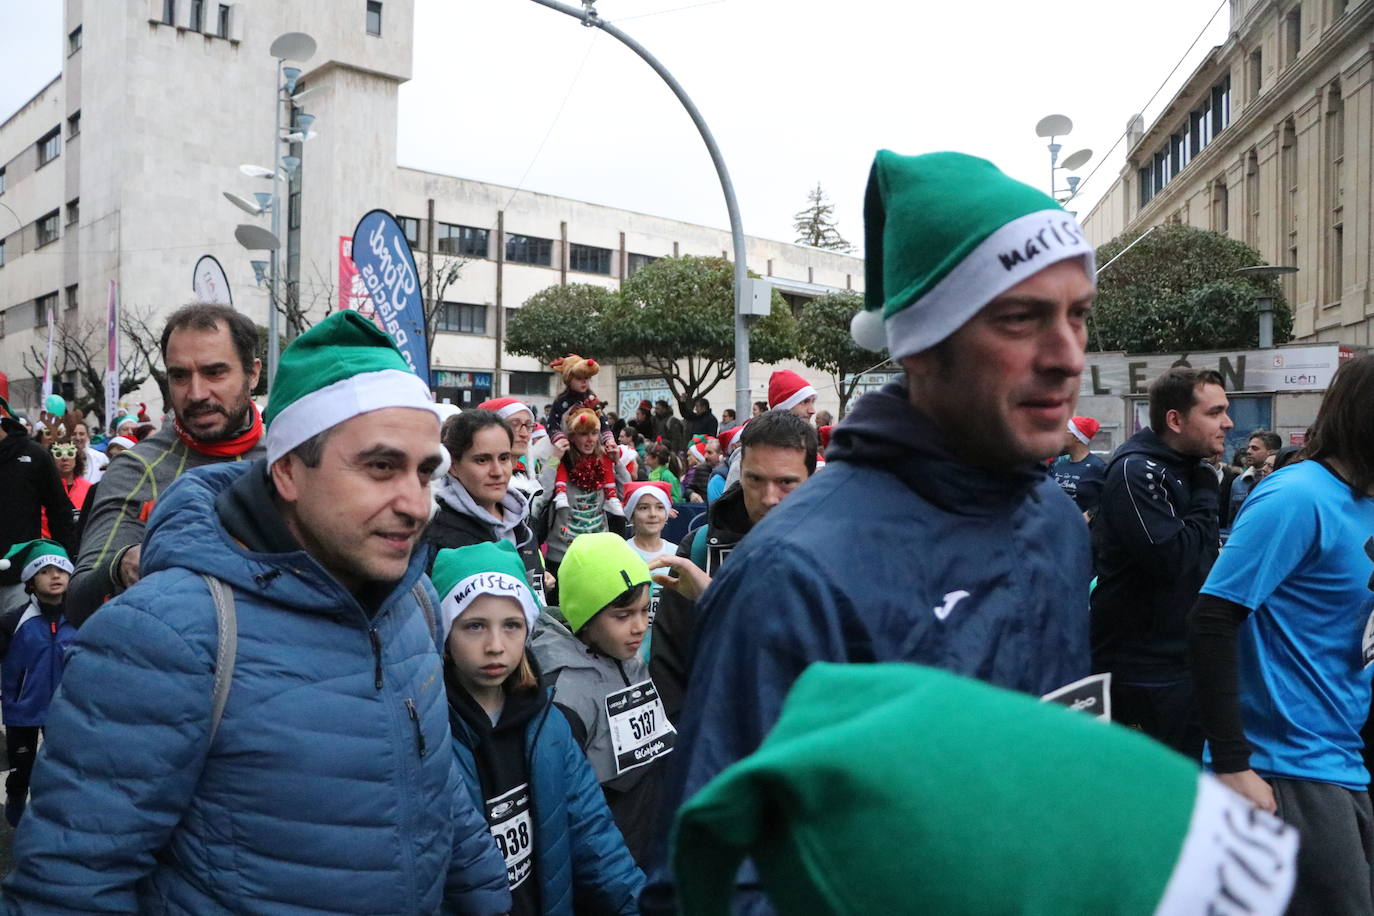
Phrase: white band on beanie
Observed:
(1078, 434)
(499, 584)
(653, 492)
(510, 410)
(331, 405)
(801, 394)
(32, 567)
(1019, 250)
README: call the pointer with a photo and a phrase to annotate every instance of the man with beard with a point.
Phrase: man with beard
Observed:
(210, 355)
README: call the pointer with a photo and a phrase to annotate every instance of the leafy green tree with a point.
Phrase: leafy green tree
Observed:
(1177, 292)
(676, 317)
(815, 225)
(824, 341)
(560, 320)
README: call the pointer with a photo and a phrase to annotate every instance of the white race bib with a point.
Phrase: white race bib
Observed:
(640, 730)
(509, 818)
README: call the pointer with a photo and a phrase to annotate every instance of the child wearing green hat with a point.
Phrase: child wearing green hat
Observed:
(602, 684)
(33, 639)
(519, 762)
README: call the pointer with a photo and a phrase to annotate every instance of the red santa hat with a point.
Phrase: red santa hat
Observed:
(1084, 428)
(787, 389)
(505, 408)
(540, 432)
(728, 437)
(698, 447)
(660, 490)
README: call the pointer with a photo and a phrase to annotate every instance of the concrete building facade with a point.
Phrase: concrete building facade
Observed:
(1271, 141)
(115, 171)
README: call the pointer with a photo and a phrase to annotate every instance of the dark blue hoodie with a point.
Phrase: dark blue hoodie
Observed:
(896, 552)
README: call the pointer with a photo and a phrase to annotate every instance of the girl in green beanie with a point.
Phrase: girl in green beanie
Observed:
(602, 684)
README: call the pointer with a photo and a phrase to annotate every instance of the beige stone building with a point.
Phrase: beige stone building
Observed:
(1271, 141)
(115, 172)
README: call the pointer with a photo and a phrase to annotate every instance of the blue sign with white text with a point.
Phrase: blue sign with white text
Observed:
(387, 268)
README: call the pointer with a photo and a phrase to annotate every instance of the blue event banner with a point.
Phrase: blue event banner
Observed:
(387, 268)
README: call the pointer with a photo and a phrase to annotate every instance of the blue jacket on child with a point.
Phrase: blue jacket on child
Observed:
(33, 639)
(580, 858)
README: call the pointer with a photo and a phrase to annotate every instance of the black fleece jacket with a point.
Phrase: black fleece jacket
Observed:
(30, 482)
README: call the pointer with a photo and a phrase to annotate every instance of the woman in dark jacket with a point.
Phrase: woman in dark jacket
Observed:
(516, 753)
(477, 504)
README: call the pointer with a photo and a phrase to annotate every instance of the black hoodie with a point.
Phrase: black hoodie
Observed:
(503, 769)
(1154, 539)
(30, 482)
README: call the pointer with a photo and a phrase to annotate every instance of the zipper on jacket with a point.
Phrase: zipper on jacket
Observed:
(376, 654)
(415, 720)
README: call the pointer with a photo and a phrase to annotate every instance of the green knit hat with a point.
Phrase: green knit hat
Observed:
(31, 556)
(894, 788)
(492, 568)
(597, 569)
(944, 235)
(342, 367)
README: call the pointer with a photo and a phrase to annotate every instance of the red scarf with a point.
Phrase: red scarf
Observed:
(227, 448)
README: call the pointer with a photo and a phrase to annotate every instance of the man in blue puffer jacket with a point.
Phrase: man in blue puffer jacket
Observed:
(330, 785)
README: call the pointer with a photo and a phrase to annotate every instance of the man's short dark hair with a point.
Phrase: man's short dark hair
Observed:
(205, 317)
(665, 405)
(703, 403)
(1272, 441)
(782, 429)
(460, 431)
(1343, 430)
(1177, 389)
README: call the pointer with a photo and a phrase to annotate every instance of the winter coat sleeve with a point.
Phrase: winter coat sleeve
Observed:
(1167, 540)
(671, 643)
(605, 877)
(476, 884)
(127, 738)
(112, 525)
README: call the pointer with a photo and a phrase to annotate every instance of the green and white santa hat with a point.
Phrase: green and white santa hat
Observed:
(1000, 804)
(944, 235)
(462, 574)
(31, 556)
(341, 368)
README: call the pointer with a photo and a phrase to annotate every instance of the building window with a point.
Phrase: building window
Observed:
(49, 147)
(1288, 202)
(72, 300)
(2, 180)
(41, 305)
(468, 241)
(47, 229)
(74, 41)
(74, 124)
(534, 384)
(222, 21)
(1221, 201)
(462, 318)
(526, 249)
(410, 228)
(1333, 192)
(1292, 35)
(73, 211)
(2, 252)
(589, 260)
(635, 262)
(374, 17)
(1256, 75)
(1252, 199)
(197, 15)
(169, 12)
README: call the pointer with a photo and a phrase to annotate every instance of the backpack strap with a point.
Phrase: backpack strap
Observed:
(418, 590)
(226, 620)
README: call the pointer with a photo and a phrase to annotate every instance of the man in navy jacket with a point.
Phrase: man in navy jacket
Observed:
(1155, 539)
(934, 534)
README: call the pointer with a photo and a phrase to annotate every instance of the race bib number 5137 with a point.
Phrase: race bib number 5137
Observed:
(640, 731)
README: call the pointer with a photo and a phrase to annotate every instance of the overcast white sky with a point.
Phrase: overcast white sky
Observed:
(796, 91)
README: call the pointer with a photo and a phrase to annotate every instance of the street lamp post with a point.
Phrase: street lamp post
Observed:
(1053, 127)
(1264, 303)
(588, 17)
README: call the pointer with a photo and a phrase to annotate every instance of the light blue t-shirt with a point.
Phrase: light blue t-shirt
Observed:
(1296, 558)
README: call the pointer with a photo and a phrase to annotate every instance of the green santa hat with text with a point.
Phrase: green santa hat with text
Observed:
(944, 235)
(341, 368)
(31, 556)
(890, 788)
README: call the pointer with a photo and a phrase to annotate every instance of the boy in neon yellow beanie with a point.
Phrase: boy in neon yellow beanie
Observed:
(602, 685)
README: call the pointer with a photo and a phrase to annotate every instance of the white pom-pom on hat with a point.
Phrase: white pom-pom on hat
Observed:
(4, 564)
(867, 330)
